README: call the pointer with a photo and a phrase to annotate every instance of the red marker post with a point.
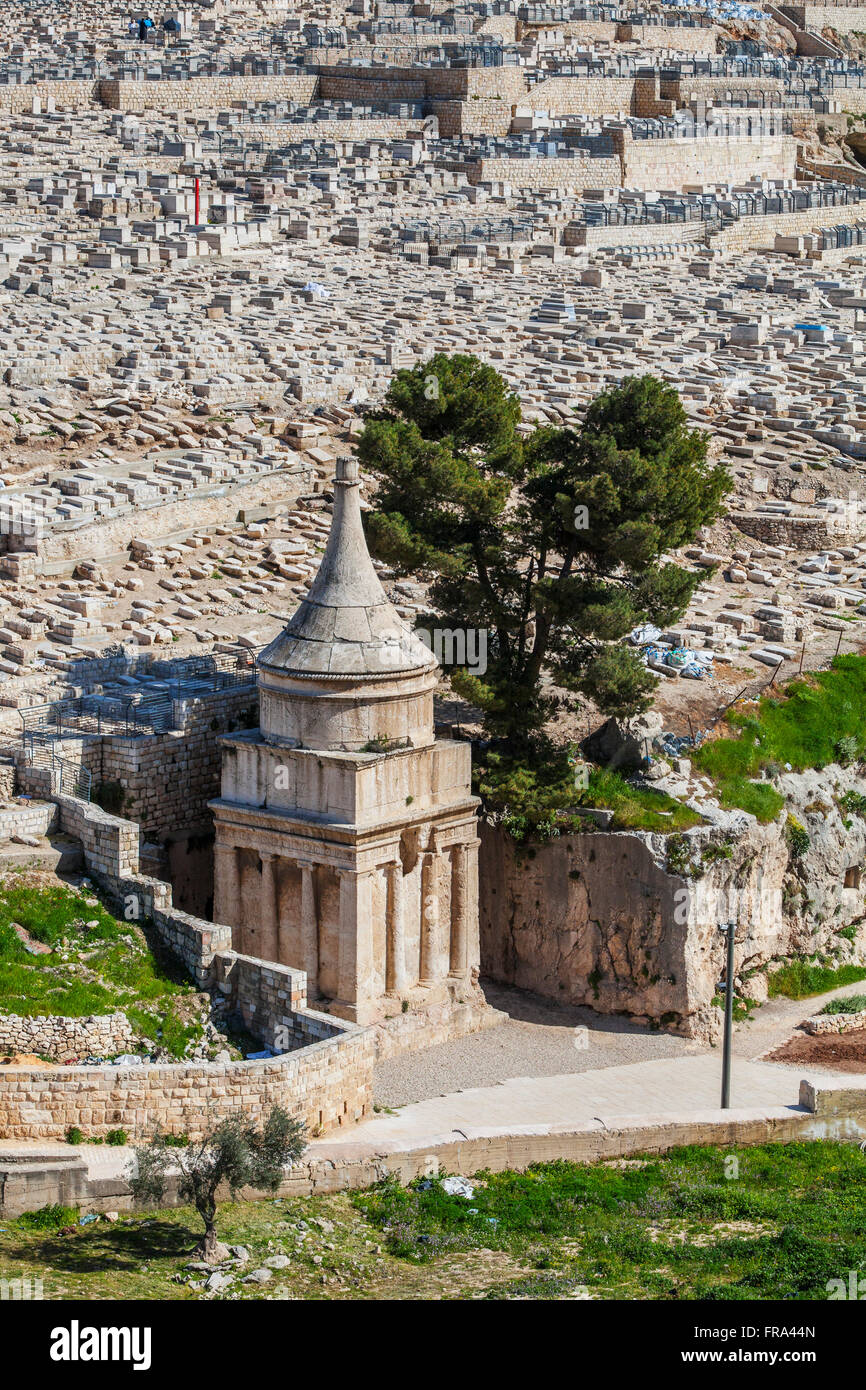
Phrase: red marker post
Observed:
(197, 201)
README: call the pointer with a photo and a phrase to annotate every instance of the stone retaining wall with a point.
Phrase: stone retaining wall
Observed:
(651, 164)
(169, 778)
(205, 93)
(845, 19)
(67, 1039)
(675, 38)
(576, 174)
(752, 232)
(73, 95)
(590, 96)
(658, 234)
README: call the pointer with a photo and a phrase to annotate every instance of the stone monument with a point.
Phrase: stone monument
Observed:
(346, 840)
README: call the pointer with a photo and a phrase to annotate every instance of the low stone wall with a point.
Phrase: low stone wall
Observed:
(327, 1085)
(654, 234)
(271, 1000)
(798, 532)
(67, 1039)
(29, 820)
(835, 1023)
(110, 844)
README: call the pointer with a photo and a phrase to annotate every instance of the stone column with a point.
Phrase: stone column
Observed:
(355, 969)
(227, 886)
(269, 913)
(473, 933)
(309, 929)
(459, 904)
(396, 976)
(429, 918)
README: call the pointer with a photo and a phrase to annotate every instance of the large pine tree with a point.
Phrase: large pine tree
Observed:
(551, 542)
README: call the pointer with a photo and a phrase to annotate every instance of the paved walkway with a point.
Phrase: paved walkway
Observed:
(668, 1087)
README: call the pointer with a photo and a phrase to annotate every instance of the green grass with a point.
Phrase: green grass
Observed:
(637, 808)
(539, 801)
(801, 978)
(816, 720)
(90, 969)
(773, 1222)
(655, 1231)
(850, 1005)
(759, 798)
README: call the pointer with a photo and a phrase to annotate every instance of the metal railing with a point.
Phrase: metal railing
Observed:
(67, 778)
(95, 715)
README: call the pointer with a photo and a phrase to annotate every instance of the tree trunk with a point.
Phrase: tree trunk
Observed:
(210, 1249)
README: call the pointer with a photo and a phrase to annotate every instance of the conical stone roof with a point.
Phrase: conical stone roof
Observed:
(346, 628)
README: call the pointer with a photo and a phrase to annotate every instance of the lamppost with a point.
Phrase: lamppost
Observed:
(731, 929)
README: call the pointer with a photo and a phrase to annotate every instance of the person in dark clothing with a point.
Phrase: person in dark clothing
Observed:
(142, 31)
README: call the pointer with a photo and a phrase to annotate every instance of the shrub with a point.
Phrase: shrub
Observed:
(797, 836)
(50, 1218)
(74, 1135)
(847, 749)
(800, 978)
(116, 1136)
(852, 1005)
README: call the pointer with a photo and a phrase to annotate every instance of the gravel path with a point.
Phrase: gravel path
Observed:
(538, 1039)
(542, 1038)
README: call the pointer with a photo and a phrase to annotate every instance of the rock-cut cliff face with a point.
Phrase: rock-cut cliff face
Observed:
(627, 922)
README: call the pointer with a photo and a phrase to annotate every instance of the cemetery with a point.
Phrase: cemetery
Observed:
(221, 725)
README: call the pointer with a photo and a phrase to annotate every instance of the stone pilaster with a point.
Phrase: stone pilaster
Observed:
(269, 913)
(459, 905)
(355, 970)
(431, 965)
(309, 928)
(396, 975)
(227, 887)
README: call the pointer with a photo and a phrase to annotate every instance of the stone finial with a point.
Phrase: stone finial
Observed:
(347, 470)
